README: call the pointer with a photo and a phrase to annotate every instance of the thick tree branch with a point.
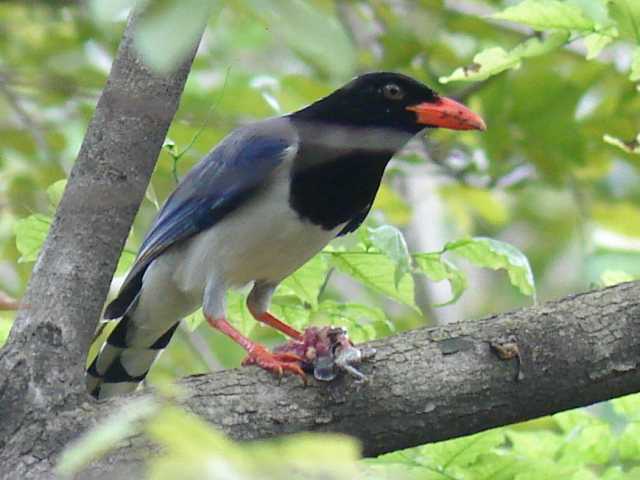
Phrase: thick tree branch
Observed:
(41, 367)
(435, 383)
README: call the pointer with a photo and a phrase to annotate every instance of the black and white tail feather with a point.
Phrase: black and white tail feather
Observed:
(123, 364)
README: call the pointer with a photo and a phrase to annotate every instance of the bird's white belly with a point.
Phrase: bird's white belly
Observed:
(264, 240)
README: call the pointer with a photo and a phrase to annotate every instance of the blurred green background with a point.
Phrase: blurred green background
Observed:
(556, 175)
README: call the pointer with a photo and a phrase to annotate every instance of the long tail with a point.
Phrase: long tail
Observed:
(125, 359)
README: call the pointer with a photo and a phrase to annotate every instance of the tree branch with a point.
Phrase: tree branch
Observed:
(42, 364)
(433, 384)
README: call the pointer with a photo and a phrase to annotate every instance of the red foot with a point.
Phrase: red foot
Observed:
(277, 363)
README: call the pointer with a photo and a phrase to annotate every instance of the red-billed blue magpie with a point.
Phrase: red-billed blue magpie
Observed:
(264, 201)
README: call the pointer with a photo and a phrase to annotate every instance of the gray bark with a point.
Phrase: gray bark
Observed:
(426, 385)
(41, 367)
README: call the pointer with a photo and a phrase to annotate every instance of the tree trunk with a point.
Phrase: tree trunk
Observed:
(42, 364)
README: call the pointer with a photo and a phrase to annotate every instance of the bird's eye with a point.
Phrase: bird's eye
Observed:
(393, 91)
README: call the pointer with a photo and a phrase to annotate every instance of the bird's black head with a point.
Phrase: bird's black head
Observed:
(385, 100)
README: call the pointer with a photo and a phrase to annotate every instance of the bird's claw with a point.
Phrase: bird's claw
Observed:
(276, 363)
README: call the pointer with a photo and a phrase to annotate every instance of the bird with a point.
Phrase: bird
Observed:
(258, 206)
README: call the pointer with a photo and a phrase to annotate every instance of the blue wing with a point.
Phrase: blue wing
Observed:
(216, 186)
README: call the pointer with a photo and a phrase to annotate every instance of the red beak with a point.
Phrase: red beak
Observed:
(447, 113)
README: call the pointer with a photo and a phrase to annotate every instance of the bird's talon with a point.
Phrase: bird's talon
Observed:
(276, 363)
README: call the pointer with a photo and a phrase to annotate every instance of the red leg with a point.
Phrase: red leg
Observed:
(258, 355)
(279, 325)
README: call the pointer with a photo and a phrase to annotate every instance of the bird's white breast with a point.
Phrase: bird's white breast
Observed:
(262, 240)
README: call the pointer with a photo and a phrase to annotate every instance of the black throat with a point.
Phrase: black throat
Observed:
(337, 171)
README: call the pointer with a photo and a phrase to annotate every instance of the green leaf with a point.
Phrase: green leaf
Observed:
(194, 320)
(390, 241)
(546, 14)
(169, 29)
(291, 311)
(5, 328)
(125, 262)
(628, 406)
(111, 10)
(494, 254)
(626, 14)
(55, 191)
(437, 268)
(485, 64)
(308, 456)
(183, 434)
(105, 436)
(395, 208)
(30, 235)
(534, 47)
(620, 217)
(460, 452)
(464, 200)
(314, 34)
(595, 43)
(634, 76)
(238, 312)
(614, 277)
(375, 271)
(307, 281)
(364, 323)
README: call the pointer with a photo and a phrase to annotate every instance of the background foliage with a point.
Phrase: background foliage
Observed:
(555, 176)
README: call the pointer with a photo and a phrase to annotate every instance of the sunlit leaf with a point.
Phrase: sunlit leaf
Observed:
(595, 43)
(125, 262)
(628, 406)
(30, 235)
(363, 322)
(307, 281)
(105, 436)
(622, 217)
(194, 320)
(437, 268)
(55, 191)
(305, 456)
(5, 328)
(309, 31)
(626, 14)
(485, 64)
(169, 29)
(111, 10)
(376, 271)
(394, 207)
(634, 76)
(186, 435)
(535, 46)
(494, 254)
(465, 202)
(546, 14)
(453, 454)
(614, 277)
(238, 313)
(390, 241)
(291, 311)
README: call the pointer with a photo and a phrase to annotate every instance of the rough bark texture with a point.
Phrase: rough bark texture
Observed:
(41, 368)
(426, 385)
